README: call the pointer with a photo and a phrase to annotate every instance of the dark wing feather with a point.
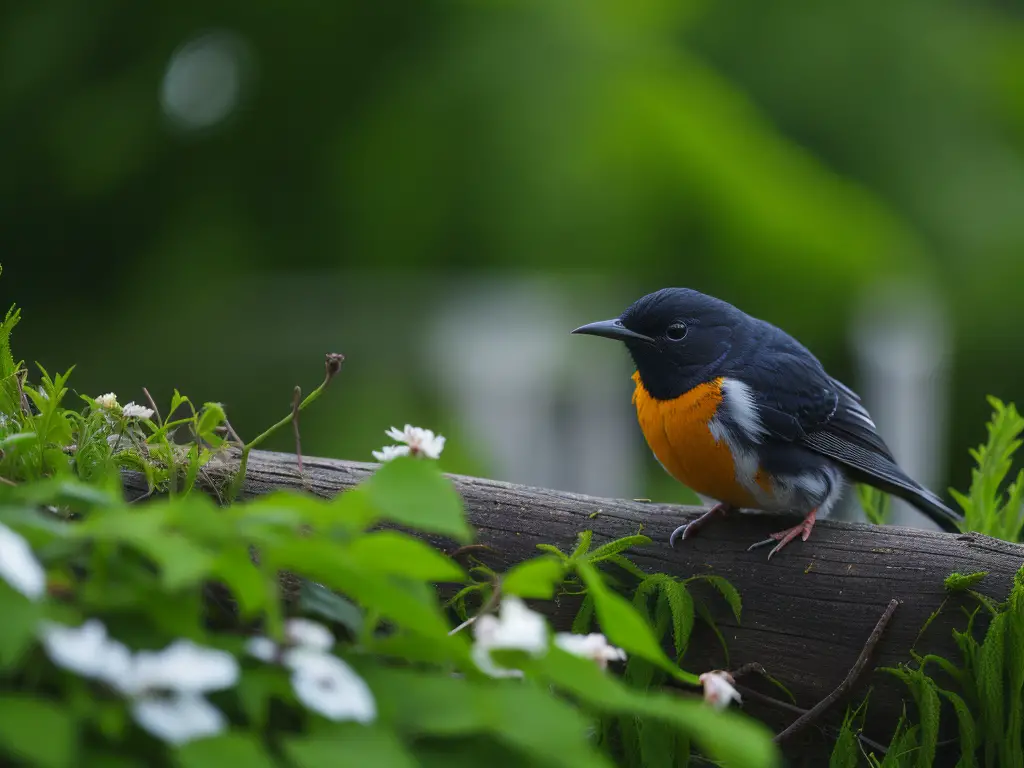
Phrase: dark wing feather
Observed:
(800, 403)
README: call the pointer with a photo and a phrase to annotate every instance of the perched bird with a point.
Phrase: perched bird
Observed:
(741, 412)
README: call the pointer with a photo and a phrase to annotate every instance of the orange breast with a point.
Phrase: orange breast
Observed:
(678, 434)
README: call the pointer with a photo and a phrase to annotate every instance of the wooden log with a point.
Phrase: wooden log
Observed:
(807, 611)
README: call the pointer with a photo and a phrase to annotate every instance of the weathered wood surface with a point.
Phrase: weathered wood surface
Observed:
(806, 612)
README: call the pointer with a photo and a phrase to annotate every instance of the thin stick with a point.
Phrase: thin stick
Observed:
(296, 399)
(152, 404)
(822, 706)
(5, 481)
(231, 431)
(487, 607)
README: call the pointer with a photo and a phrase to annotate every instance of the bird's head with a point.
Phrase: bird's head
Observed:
(677, 337)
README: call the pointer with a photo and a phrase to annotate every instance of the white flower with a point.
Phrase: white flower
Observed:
(179, 717)
(131, 411)
(183, 666)
(594, 646)
(18, 565)
(87, 651)
(420, 441)
(718, 689)
(297, 632)
(515, 628)
(390, 452)
(329, 686)
(107, 401)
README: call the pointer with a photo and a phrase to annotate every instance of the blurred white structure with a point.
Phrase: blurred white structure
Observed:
(901, 339)
(548, 408)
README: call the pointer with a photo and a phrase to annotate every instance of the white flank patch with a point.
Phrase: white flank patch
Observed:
(742, 408)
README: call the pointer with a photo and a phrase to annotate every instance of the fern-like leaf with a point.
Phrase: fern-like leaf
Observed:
(680, 604)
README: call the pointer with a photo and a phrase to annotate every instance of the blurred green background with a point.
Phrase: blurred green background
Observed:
(210, 195)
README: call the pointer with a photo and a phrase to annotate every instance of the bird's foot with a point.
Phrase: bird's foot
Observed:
(684, 532)
(802, 529)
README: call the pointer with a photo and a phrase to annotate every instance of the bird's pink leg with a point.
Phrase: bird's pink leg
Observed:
(684, 532)
(802, 529)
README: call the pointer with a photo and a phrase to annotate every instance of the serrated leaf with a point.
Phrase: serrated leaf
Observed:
(397, 553)
(680, 604)
(583, 544)
(349, 745)
(536, 578)
(617, 546)
(657, 743)
(627, 565)
(624, 627)
(990, 679)
(224, 750)
(36, 730)
(958, 582)
(728, 591)
(968, 732)
(413, 492)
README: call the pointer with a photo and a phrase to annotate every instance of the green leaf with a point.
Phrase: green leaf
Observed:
(349, 745)
(413, 492)
(624, 627)
(235, 568)
(212, 416)
(315, 598)
(617, 546)
(37, 730)
(725, 735)
(845, 753)
(968, 733)
(224, 750)
(627, 565)
(397, 553)
(324, 562)
(958, 582)
(584, 617)
(990, 678)
(182, 563)
(18, 625)
(728, 591)
(705, 614)
(583, 539)
(534, 578)
(681, 605)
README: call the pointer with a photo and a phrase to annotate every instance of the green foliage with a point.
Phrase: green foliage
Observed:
(985, 509)
(875, 504)
(412, 688)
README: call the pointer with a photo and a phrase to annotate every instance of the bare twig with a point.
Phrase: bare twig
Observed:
(232, 433)
(822, 706)
(152, 404)
(746, 669)
(5, 481)
(468, 548)
(296, 400)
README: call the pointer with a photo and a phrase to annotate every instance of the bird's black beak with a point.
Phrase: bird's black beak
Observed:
(612, 329)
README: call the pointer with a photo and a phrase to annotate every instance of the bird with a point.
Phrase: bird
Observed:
(742, 413)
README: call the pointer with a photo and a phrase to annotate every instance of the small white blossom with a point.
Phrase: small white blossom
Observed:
(718, 689)
(329, 686)
(178, 717)
(515, 628)
(297, 632)
(132, 411)
(185, 667)
(87, 651)
(107, 401)
(390, 452)
(594, 646)
(19, 566)
(421, 442)
(3, 420)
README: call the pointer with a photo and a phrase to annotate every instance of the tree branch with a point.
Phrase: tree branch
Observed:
(805, 612)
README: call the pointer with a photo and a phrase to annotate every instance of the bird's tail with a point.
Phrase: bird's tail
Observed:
(930, 504)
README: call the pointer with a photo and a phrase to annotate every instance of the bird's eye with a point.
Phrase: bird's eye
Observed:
(676, 332)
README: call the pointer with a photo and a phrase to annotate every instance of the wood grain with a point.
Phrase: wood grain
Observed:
(807, 612)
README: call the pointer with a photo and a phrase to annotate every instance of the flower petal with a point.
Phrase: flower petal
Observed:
(179, 718)
(327, 685)
(87, 651)
(184, 666)
(19, 566)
